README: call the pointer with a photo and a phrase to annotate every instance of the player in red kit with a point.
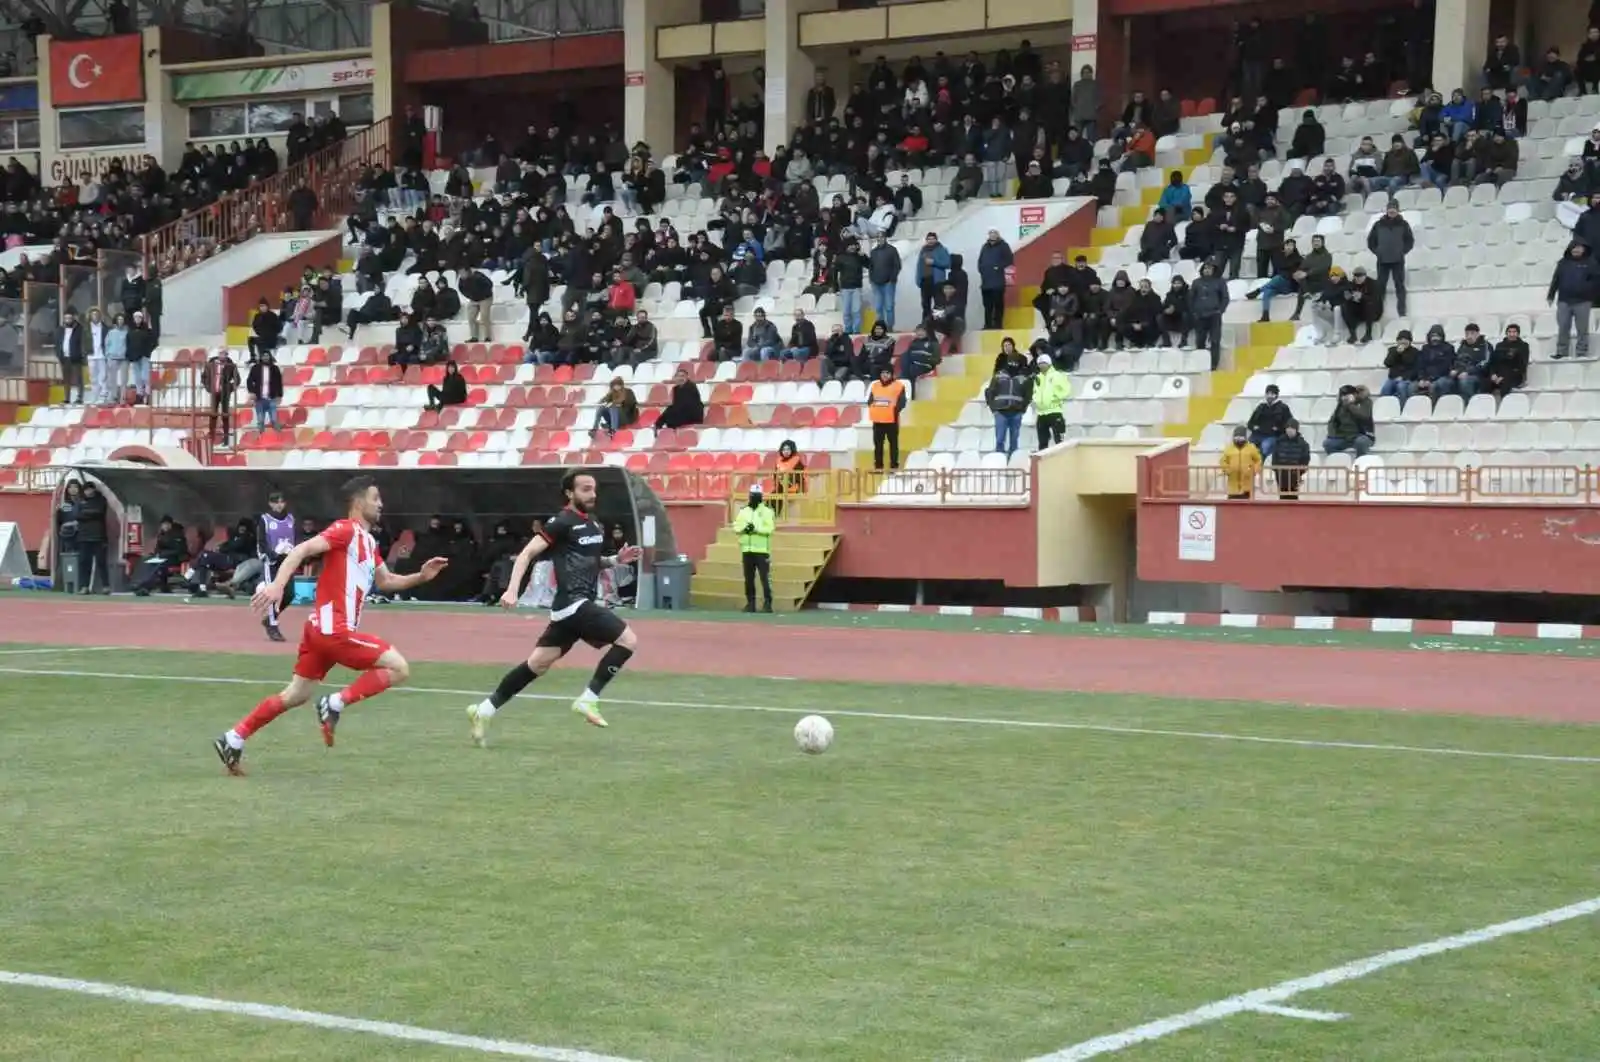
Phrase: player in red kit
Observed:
(351, 570)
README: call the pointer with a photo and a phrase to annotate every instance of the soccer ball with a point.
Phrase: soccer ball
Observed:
(813, 734)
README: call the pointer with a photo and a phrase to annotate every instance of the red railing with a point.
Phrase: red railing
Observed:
(263, 207)
(1514, 484)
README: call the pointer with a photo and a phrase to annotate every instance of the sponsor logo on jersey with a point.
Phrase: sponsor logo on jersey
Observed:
(591, 540)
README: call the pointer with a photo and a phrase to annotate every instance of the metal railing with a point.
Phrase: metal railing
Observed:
(263, 207)
(1514, 484)
(811, 499)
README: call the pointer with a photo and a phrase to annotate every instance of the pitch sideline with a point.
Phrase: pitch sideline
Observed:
(315, 1019)
(848, 713)
(1284, 991)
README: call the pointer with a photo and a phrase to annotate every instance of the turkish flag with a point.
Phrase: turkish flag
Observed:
(99, 70)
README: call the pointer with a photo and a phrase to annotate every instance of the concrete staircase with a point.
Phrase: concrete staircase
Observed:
(798, 560)
(1224, 385)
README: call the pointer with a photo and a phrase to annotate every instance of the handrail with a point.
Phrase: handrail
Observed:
(1489, 484)
(262, 206)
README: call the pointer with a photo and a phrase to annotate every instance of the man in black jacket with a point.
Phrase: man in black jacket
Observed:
(477, 291)
(1572, 290)
(265, 328)
(72, 352)
(1268, 421)
(727, 337)
(171, 547)
(1290, 457)
(92, 569)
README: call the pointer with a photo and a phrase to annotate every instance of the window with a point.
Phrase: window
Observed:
(223, 119)
(266, 119)
(102, 127)
(356, 109)
(28, 133)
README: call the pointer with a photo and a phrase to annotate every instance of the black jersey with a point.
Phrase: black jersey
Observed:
(576, 543)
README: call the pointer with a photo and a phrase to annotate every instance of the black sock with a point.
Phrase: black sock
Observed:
(514, 682)
(610, 664)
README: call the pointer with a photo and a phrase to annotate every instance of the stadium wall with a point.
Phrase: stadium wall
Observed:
(1488, 548)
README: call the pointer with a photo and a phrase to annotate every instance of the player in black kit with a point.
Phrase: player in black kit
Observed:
(574, 540)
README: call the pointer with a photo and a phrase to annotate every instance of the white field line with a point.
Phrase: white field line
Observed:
(1296, 1012)
(53, 650)
(847, 713)
(389, 1030)
(1279, 993)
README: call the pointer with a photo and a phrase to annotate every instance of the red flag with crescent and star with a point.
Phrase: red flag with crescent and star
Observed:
(99, 70)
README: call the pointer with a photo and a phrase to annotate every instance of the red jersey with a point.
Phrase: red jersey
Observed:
(348, 570)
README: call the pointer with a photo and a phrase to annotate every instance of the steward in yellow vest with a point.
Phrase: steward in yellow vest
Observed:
(754, 524)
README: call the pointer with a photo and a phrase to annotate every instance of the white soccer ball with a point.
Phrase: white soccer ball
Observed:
(813, 734)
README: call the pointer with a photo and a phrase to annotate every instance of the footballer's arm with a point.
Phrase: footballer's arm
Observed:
(519, 570)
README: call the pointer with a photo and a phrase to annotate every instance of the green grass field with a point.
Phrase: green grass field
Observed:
(686, 887)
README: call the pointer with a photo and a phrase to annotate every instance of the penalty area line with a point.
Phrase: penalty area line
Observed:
(311, 1018)
(46, 650)
(852, 713)
(1268, 1000)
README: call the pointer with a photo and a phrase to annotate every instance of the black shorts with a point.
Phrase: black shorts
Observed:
(591, 623)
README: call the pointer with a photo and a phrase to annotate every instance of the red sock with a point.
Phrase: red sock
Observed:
(260, 716)
(367, 684)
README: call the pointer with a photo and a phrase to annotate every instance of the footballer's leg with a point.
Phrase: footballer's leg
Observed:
(620, 645)
(515, 681)
(230, 746)
(381, 667)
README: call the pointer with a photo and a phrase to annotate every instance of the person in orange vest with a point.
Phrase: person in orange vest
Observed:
(885, 399)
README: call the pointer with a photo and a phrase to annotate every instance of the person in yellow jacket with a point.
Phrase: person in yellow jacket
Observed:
(1240, 463)
(1051, 389)
(754, 524)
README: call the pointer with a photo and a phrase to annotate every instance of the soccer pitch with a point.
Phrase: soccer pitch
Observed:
(969, 873)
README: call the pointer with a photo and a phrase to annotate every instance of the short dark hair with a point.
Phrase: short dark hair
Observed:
(275, 497)
(569, 482)
(355, 488)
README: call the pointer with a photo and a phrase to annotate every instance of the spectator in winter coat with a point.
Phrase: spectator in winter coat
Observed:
(1232, 222)
(1285, 272)
(264, 382)
(1327, 192)
(1272, 223)
(451, 390)
(1294, 191)
(1240, 463)
(1310, 137)
(727, 337)
(1586, 69)
(1290, 457)
(1176, 200)
(639, 344)
(1007, 396)
(1175, 318)
(1199, 237)
(1350, 427)
(1549, 80)
(1141, 324)
(1390, 240)
(921, 357)
(686, 407)
(840, 360)
(802, 338)
(968, 180)
(994, 259)
(1457, 115)
(1051, 389)
(1158, 240)
(1501, 64)
(762, 341)
(1119, 300)
(1361, 306)
(1508, 365)
(1572, 290)
(1366, 166)
(1434, 361)
(1401, 361)
(1034, 183)
(1400, 167)
(878, 350)
(883, 274)
(265, 328)
(933, 263)
(1472, 358)
(1208, 301)
(1266, 424)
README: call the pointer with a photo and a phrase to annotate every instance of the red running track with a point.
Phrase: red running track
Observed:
(1545, 687)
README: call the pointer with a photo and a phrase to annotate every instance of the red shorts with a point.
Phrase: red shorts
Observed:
(320, 653)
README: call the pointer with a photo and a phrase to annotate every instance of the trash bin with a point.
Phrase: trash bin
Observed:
(672, 582)
(67, 572)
